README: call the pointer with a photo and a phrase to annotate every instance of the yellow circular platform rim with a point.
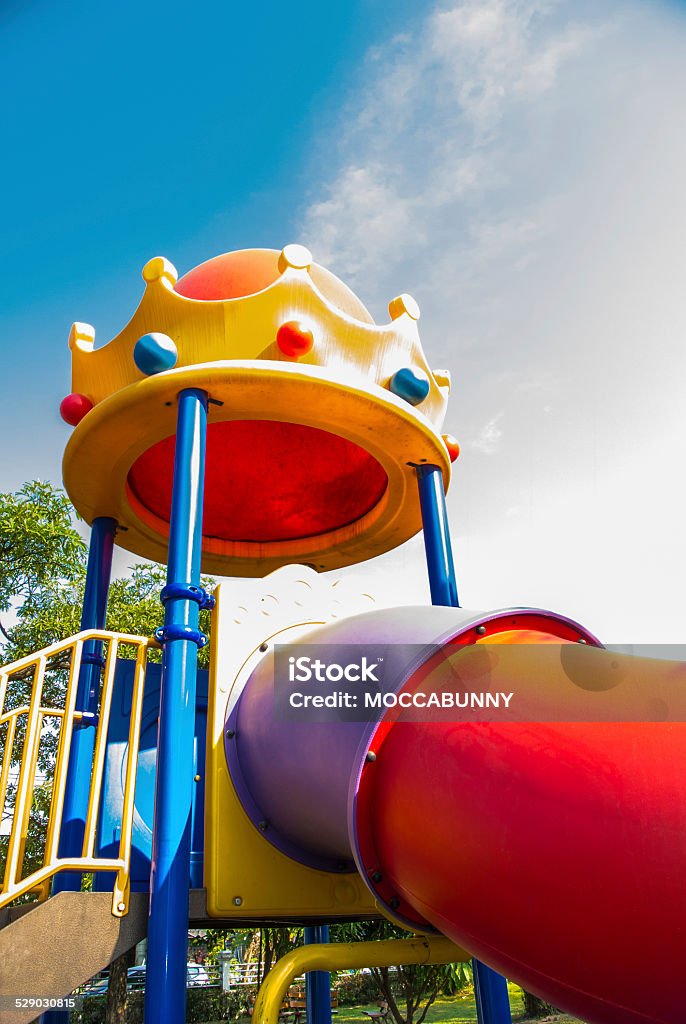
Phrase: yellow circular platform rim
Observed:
(107, 442)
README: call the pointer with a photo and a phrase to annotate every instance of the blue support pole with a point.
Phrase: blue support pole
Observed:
(77, 789)
(492, 998)
(165, 990)
(93, 614)
(318, 983)
(439, 552)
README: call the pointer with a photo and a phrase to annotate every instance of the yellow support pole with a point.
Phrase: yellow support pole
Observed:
(100, 750)
(33, 766)
(61, 763)
(122, 885)
(13, 885)
(4, 679)
(7, 760)
(345, 955)
(25, 785)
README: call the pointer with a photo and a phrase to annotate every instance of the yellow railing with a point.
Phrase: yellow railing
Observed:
(33, 716)
(342, 955)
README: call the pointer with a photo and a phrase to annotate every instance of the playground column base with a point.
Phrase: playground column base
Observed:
(318, 983)
(492, 996)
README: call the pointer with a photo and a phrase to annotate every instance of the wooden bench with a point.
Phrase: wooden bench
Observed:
(285, 1013)
(294, 1007)
(378, 1015)
(297, 1003)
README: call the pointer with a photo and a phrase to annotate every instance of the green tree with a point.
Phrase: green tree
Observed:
(535, 1007)
(43, 571)
(39, 549)
(42, 576)
(267, 945)
(408, 990)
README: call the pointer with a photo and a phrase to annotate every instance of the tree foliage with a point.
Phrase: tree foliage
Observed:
(535, 1007)
(43, 572)
(267, 945)
(40, 550)
(43, 563)
(408, 990)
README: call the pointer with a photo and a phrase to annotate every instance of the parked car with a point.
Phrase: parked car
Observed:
(96, 987)
(196, 977)
(135, 981)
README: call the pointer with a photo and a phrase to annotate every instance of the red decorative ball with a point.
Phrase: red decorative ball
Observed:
(452, 445)
(294, 339)
(74, 407)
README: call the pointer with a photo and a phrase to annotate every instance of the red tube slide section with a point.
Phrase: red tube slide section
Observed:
(553, 851)
(547, 836)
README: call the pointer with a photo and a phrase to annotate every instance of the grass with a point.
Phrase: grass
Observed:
(459, 1009)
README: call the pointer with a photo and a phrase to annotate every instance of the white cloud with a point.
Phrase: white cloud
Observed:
(423, 138)
(493, 54)
(517, 165)
(489, 436)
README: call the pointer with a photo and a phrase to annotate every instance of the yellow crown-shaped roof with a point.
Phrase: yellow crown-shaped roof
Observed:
(317, 416)
(245, 328)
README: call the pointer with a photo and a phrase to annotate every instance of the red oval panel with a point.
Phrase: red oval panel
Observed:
(268, 481)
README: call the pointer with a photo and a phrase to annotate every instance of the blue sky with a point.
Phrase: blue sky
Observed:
(517, 165)
(136, 129)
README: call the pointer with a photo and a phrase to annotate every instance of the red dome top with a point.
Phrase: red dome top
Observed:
(247, 271)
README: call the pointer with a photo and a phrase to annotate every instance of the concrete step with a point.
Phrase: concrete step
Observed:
(49, 949)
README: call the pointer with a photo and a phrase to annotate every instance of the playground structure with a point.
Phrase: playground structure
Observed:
(252, 419)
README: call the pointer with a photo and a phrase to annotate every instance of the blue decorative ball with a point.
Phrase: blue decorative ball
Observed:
(154, 353)
(410, 384)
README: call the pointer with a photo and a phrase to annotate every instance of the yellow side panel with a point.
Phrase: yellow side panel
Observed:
(245, 876)
(240, 865)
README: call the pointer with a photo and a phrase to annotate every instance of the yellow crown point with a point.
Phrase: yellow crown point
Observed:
(361, 387)
(241, 328)
(82, 336)
(403, 304)
(443, 378)
(160, 269)
(296, 256)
